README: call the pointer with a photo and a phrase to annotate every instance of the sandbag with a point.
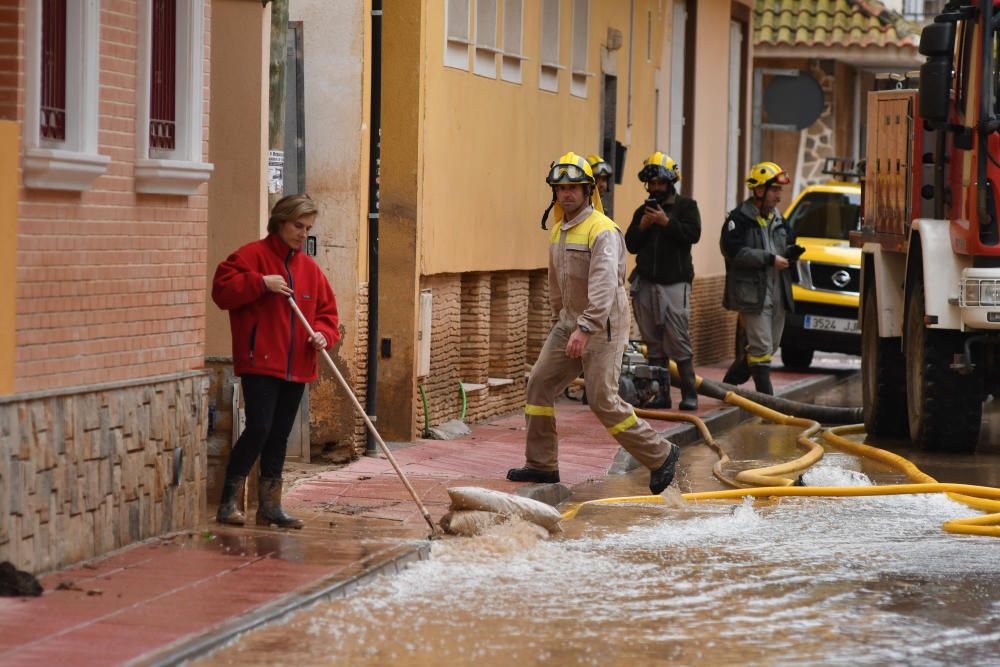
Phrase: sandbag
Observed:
(469, 523)
(489, 500)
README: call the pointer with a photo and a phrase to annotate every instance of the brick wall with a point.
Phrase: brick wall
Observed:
(110, 320)
(359, 435)
(493, 325)
(441, 385)
(475, 327)
(539, 314)
(712, 327)
(85, 472)
(484, 325)
(111, 284)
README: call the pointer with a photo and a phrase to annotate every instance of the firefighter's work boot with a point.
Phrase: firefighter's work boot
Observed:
(739, 371)
(527, 474)
(762, 378)
(689, 391)
(269, 510)
(660, 478)
(231, 504)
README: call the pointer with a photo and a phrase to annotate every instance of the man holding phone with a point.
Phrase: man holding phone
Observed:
(661, 234)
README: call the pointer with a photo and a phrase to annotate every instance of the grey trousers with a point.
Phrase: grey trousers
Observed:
(764, 330)
(662, 313)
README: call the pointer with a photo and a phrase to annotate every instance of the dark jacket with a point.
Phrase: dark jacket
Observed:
(748, 260)
(268, 338)
(664, 253)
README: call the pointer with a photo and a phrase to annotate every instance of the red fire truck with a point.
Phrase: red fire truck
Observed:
(930, 285)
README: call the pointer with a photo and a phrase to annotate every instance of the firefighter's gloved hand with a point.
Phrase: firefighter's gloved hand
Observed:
(794, 252)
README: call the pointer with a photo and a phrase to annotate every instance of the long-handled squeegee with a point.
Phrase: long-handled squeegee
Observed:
(368, 422)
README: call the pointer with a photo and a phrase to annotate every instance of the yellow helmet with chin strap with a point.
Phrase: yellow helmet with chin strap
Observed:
(570, 169)
(763, 174)
(660, 167)
(599, 166)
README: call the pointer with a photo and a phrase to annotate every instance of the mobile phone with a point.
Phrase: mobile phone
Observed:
(652, 203)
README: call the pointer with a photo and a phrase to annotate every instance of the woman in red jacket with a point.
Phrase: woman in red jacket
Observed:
(272, 352)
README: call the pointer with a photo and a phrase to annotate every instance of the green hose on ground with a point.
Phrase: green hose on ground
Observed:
(427, 413)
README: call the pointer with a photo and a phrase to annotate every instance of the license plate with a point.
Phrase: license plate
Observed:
(838, 324)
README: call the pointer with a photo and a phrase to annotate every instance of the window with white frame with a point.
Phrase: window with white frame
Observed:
(485, 63)
(513, 40)
(578, 70)
(62, 50)
(169, 97)
(456, 22)
(548, 78)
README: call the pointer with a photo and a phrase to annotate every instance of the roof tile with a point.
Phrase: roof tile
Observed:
(830, 23)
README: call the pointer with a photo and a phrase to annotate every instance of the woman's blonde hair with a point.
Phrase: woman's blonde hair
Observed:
(290, 208)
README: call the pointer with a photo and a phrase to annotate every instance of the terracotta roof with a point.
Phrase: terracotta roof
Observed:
(835, 23)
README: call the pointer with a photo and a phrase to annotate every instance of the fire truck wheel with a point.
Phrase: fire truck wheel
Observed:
(944, 409)
(883, 381)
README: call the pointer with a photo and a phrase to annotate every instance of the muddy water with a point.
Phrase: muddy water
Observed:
(848, 581)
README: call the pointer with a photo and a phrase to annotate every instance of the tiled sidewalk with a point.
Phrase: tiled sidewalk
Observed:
(166, 599)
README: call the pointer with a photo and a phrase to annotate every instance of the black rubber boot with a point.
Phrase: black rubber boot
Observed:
(527, 474)
(689, 392)
(739, 371)
(660, 478)
(269, 510)
(762, 378)
(231, 504)
(662, 399)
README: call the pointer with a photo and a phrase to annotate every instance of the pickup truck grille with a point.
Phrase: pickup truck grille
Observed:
(825, 277)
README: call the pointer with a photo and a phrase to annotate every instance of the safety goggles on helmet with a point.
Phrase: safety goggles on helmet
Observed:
(766, 173)
(599, 166)
(568, 173)
(660, 167)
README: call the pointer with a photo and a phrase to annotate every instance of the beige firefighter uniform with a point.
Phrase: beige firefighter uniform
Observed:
(587, 291)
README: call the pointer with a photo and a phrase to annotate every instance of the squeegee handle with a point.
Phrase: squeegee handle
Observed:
(361, 411)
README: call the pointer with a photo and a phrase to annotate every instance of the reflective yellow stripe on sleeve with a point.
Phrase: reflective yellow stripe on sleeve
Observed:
(626, 423)
(540, 410)
(763, 359)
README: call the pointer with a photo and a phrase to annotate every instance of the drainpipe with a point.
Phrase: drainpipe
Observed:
(374, 143)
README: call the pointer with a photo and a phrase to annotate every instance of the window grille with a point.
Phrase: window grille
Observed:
(52, 116)
(162, 98)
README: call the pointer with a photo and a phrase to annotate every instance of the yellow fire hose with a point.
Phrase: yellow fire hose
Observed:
(983, 498)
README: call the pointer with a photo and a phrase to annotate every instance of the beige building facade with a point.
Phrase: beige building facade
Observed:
(483, 96)
(476, 98)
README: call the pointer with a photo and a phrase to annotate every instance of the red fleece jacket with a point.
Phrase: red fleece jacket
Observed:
(268, 338)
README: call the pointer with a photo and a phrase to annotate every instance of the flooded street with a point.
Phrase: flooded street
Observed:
(848, 581)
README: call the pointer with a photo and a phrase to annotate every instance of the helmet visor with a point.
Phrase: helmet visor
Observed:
(657, 172)
(567, 173)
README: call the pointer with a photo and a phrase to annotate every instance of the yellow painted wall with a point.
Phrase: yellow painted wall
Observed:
(237, 191)
(487, 143)
(8, 250)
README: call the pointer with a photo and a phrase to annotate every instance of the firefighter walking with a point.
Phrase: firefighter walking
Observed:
(589, 299)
